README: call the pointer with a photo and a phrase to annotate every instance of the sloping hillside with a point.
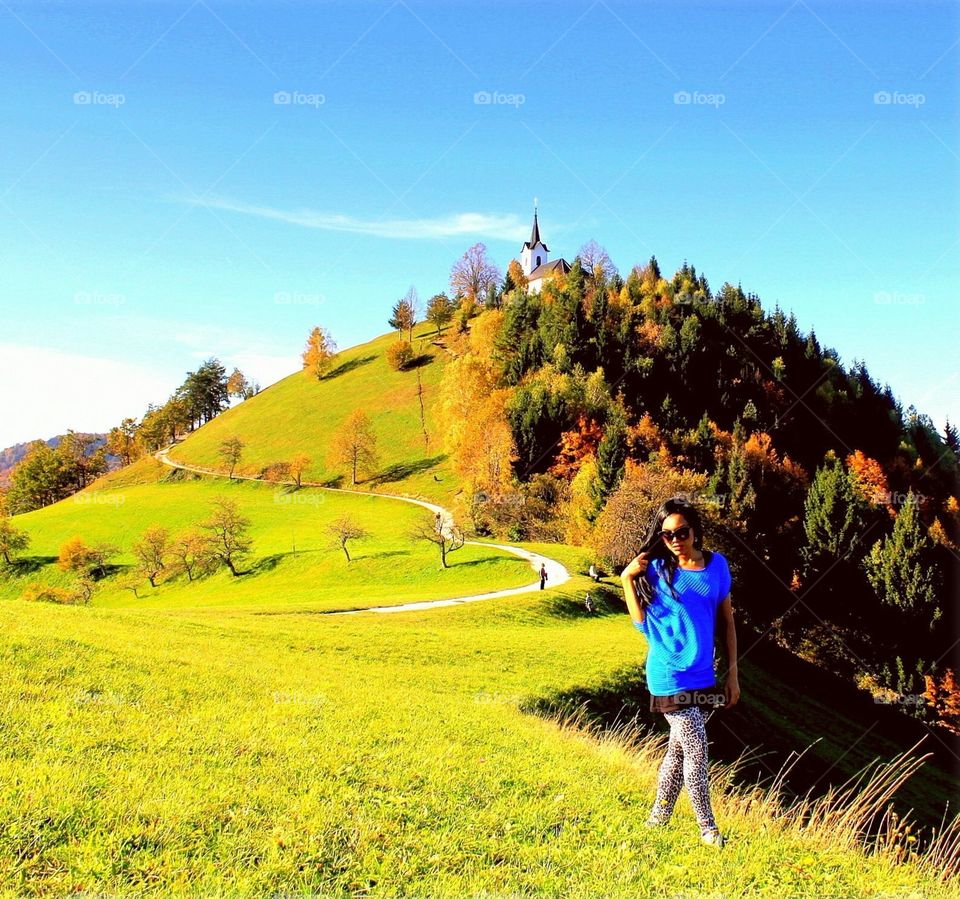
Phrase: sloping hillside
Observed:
(300, 415)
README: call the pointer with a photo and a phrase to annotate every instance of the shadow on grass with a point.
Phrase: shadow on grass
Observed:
(348, 367)
(786, 706)
(570, 605)
(26, 565)
(267, 563)
(400, 470)
(418, 361)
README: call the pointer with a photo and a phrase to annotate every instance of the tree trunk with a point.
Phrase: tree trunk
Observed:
(343, 546)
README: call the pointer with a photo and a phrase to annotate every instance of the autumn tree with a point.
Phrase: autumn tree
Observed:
(399, 355)
(238, 386)
(870, 480)
(298, 465)
(151, 552)
(319, 353)
(516, 275)
(943, 693)
(124, 442)
(439, 311)
(229, 542)
(192, 552)
(12, 540)
(230, 452)
(78, 557)
(473, 274)
(576, 446)
(624, 523)
(355, 444)
(345, 529)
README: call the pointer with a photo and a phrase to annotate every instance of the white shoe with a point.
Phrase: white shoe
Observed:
(713, 838)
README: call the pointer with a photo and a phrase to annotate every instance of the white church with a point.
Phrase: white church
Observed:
(535, 262)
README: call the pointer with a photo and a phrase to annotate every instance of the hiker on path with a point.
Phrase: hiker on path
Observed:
(543, 575)
(678, 595)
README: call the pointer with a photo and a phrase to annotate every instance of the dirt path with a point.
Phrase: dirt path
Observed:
(557, 574)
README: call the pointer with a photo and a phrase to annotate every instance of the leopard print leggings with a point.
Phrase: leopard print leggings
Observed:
(685, 763)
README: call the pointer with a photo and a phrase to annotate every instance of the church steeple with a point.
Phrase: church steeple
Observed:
(534, 251)
(535, 234)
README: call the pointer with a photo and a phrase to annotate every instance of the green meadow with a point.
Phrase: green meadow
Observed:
(294, 561)
(159, 751)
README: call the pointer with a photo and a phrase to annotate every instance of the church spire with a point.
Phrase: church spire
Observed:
(535, 234)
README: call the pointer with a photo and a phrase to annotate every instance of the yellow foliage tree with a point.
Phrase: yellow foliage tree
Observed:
(319, 353)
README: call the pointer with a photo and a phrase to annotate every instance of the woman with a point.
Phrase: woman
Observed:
(683, 593)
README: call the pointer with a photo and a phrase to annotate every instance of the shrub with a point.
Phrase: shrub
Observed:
(400, 354)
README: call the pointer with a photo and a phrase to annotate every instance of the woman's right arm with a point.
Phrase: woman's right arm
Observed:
(628, 579)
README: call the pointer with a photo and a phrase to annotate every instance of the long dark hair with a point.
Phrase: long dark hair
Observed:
(657, 549)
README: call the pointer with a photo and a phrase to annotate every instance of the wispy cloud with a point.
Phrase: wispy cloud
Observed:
(473, 224)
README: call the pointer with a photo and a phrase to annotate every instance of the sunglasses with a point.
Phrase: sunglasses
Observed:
(680, 533)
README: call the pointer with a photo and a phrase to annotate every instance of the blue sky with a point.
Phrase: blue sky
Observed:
(158, 205)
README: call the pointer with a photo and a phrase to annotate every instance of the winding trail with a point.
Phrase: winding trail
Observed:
(557, 574)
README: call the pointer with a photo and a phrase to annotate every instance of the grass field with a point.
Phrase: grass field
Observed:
(294, 562)
(298, 414)
(163, 750)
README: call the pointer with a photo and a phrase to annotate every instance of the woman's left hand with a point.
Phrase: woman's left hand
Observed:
(731, 690)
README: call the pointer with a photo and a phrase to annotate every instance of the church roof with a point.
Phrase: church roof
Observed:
(549, 268)
(535, 236)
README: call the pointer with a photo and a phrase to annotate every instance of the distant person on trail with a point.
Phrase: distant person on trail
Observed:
(588, 604)
(593, 573)
(543, 575)
(677, 594)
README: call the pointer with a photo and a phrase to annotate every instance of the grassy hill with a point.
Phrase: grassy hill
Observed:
(298, 414)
